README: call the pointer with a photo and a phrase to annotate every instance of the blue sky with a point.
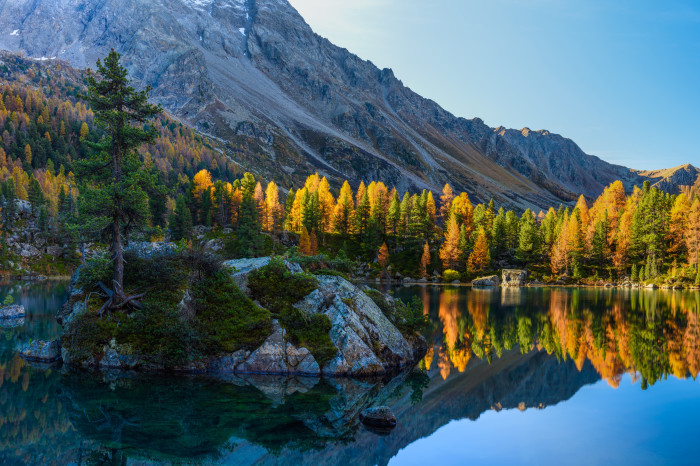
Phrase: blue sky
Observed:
(618, 77)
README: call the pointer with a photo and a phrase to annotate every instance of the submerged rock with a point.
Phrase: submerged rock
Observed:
(42, 351)
(487, 281)
(12, 312)
(513, 277)
(380, 416)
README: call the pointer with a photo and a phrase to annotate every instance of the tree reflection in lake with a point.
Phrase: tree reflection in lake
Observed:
(647, 333)
(489, 349)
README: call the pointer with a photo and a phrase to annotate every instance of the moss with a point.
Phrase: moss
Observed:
(278, 289)
(223, 318)
(226, 319)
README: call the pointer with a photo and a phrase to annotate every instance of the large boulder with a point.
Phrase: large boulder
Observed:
(513, 277)
(487, 281)
(42, 351)
(12, 312)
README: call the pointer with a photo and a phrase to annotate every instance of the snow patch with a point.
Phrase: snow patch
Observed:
(241, 30)
(15, 32)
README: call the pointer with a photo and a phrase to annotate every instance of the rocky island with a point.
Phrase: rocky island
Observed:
(255, 316)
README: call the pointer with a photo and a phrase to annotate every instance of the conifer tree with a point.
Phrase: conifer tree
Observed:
(480, 257)
(313, 243)
(180, 220)
(383, 256)
(635, 274)
(304, 242)
(111, 200)
(450, 252)
(425, 260)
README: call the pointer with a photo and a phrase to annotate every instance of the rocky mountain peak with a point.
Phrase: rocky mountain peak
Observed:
(255, 67)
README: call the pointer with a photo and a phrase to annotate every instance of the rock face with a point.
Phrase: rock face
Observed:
(42, 351)
(513, 277)
(368, 343)
(254, 69)
(12, 312)
(487, 281)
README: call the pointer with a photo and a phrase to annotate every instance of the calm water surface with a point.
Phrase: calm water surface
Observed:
(531, 376)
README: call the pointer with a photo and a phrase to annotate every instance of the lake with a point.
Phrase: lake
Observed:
(524, 376)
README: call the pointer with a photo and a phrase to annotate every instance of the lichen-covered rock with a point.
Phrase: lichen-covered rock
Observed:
(487, 281)
(513, 277)
(42, 351)
(368, 343)
(12, 312)
(118, 357)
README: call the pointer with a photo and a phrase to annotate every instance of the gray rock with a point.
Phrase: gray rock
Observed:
(513, 277)
(12, 312)
(271, 357)
(380, 416)
(487, 281)
(42, 351)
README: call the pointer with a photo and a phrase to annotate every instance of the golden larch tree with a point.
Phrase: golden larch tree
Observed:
(480, 258)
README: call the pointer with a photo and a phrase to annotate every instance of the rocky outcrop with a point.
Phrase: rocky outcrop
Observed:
(513, 277)
(368, 343)
(42, 351)
(366, 340)
(12, 312)
(487, 281)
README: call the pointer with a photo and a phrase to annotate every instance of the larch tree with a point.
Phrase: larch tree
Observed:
(446, 202)
(480, 258)
(304, 242)
(425, 260)
(115, 198)
(450, 252)
(692, 238)
(383, 256)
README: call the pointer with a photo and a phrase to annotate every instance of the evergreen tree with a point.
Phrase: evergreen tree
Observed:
(635, 273)
(248, 228)
(111, 200)
(36, 195)
(528, 238)
(180, 220)
(394, 215)
(363, 214)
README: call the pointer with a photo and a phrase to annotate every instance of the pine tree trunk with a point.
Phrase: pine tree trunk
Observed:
(118, 247)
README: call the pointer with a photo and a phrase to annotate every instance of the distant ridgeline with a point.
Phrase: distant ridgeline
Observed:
(45, 128)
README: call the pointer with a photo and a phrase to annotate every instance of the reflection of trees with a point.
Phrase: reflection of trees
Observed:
(648, 334)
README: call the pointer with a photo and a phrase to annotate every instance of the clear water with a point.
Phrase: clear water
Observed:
(531, 376)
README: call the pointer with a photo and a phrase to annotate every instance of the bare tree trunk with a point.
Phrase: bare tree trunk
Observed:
(118, 248)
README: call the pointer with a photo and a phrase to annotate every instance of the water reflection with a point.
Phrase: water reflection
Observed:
(646, 333)
(489, 349)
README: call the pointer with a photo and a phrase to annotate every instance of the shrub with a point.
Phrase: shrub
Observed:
(450, 275)
(8, 300)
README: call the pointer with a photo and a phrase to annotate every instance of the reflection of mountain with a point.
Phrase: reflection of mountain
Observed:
(513, 381)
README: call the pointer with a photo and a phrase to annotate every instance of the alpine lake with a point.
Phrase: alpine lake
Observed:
(512, 376)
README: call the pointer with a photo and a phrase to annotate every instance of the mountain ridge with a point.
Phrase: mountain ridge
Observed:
(256, 68)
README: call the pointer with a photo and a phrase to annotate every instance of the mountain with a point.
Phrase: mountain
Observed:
(683, 179)
(254, 68)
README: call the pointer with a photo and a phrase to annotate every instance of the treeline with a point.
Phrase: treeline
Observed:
(645, 234)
